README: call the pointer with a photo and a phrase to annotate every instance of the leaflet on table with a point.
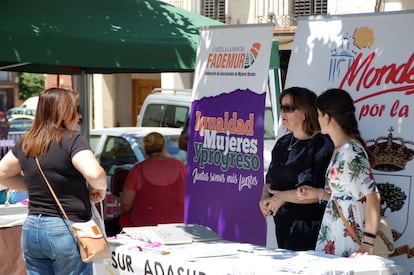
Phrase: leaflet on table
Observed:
(190, 252)
(202, 250)
(178, 233)
(138, 245)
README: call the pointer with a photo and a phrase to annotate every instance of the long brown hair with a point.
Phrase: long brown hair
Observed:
(55, 106)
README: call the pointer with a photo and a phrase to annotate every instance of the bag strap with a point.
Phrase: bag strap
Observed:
(51, 189)
(387, 242)
(347, 225)
(54, 194)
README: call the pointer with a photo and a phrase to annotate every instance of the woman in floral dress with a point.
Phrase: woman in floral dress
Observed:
(348, 179)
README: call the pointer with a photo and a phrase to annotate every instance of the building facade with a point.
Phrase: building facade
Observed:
(283, 13)
(117, 98)
(9, 90)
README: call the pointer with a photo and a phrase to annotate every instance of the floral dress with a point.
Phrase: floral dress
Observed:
(349, 179)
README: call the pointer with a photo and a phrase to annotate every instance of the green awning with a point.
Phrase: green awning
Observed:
(98, 36)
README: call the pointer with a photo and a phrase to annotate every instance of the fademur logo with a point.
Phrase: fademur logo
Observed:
(233, 57)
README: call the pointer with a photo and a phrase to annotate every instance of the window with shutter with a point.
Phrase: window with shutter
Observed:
(310, 7)
(320, 7)
(214, 9)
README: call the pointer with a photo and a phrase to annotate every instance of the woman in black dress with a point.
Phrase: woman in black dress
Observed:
(300, 157)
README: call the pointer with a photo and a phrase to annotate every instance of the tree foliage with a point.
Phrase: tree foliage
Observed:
(392, 197)
(30, 85)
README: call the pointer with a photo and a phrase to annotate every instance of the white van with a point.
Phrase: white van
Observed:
(30, 103)
(165, 108)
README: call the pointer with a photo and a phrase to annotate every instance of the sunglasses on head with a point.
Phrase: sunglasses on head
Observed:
(287, 108)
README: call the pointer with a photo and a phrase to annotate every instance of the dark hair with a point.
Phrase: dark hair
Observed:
(55, 107)
(339, 105)
(305, 100)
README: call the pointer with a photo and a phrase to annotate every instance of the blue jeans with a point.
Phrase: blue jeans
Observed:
(50, 248)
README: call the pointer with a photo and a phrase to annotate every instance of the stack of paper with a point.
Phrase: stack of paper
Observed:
(178, 233)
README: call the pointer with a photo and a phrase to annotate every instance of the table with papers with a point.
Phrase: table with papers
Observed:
(131, 256)
(12, 214)
(12, 217)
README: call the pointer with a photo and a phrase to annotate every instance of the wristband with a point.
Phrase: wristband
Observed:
(370, 235)
(371, 244)
(321, 196)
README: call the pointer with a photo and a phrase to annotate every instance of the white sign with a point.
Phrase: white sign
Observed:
(372, 57)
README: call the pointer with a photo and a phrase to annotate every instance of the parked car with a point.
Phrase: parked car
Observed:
(165, 108)
(18, 111)
(118, 149)
(20, 123)
(12, 130)
(124, 145)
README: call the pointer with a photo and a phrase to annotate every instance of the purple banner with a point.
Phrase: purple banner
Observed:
(225, 165)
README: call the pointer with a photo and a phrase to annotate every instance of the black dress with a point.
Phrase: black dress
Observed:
(297, 225)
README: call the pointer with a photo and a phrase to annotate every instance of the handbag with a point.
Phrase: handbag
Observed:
(91, 241)
(384, 245)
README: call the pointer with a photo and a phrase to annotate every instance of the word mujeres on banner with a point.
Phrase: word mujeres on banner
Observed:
(228, 143)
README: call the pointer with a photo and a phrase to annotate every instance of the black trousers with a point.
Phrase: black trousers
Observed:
(296, 234)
